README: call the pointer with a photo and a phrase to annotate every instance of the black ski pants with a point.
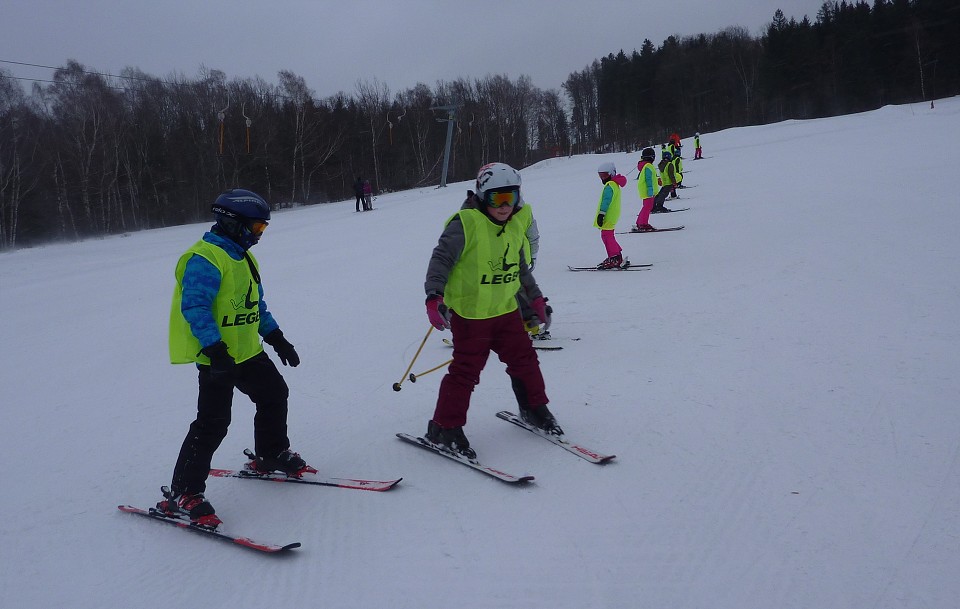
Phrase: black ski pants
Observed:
(260, 380)
(661, 197)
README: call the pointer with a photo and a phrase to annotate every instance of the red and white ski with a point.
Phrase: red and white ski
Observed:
(308, 478)
(473, 464)
(184, 523)
(581, 451)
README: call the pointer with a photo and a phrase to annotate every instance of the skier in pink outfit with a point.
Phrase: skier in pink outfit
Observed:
(648, 184)
(608, 212)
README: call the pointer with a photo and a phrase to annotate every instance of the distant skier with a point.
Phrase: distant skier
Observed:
(677, 173)
(608, 212)
(668, 178)
(675, 144)
(648, 185)
(217, 319)
(367, 196)
(358, 193)
(698, 151)
(474, 274)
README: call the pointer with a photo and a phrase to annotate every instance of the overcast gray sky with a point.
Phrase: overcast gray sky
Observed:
(333, 44)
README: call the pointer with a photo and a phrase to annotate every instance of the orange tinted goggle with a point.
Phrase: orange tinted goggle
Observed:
(257, 227)
(499, 198)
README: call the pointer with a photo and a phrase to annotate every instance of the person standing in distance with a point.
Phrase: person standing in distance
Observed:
(217, 318)
(358, 193)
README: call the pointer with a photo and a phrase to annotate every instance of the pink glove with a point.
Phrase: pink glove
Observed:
(438, 313)
(543, 311)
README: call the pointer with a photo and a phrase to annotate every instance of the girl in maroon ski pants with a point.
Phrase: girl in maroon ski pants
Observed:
(473, 340)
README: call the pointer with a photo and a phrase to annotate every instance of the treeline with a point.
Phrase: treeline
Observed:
(88, 154)
(853, 57)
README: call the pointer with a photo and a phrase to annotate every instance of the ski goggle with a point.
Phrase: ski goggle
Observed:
(502, 196)
(257, 227)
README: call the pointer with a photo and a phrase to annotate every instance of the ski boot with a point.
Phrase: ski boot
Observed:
(193, 505)
(541, 418)
(536, 330)
(452, 440)
(287, 462)
(613, 262)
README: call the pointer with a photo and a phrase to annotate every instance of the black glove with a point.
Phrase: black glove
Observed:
(285, 351)
(222, 367)
(600, 219)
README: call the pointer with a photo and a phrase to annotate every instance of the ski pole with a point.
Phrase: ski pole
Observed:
(414, 377)
(396, 386)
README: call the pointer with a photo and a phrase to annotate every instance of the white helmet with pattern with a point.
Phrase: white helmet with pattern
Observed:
(494, 176)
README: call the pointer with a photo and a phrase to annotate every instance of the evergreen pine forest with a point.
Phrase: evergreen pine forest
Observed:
(88, 154)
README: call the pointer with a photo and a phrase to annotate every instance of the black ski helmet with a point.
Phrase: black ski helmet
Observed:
(648, 155)
(236, 210)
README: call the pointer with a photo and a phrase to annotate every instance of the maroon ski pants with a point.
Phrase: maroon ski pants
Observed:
(473, 340)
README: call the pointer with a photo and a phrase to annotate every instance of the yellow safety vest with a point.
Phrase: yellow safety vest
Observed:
(648, 181)
(235, 309)
(485, 280)
(613, 212)
(665, 173)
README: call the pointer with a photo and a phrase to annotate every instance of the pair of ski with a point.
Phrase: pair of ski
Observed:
(669, 211)
(183, 521)
(655, 230)
(561, 441)
(627, 266)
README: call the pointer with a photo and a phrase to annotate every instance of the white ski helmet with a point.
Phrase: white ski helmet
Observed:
(607, 167)
(494, 176)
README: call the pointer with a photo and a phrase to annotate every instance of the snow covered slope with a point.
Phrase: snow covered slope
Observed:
(780, 389)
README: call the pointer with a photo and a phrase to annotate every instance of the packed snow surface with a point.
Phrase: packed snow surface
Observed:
(780, 390)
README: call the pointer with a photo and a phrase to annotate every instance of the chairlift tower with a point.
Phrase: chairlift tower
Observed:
(451, 117)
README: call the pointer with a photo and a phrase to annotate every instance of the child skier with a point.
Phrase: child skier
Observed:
(648, 185)
(474, 275)
(608, 212)
(677, 173)
(668, 178)
(217, 319)
(698, 151)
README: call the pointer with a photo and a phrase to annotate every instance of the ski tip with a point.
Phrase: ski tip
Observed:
(268, 548)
